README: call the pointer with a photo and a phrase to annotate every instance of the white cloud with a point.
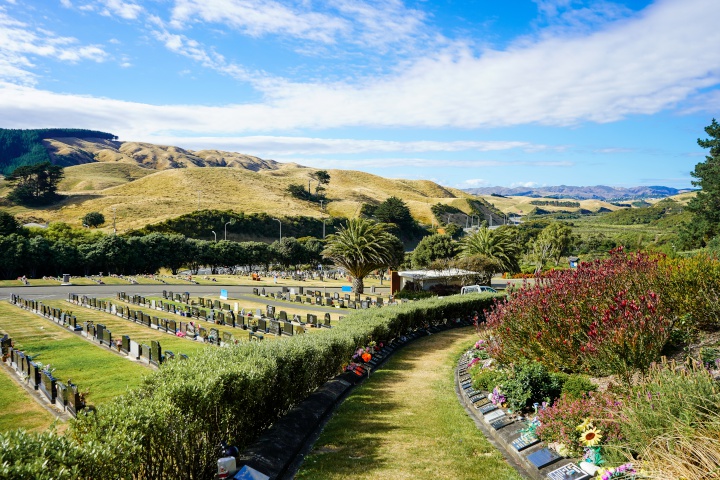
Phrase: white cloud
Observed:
(126, 10)
(524, 184)
(639, 66)
(373, 23)
(66, 3)
(476, 182)
(410, 162)
(259, 17)
(274, 145)
(19, 43)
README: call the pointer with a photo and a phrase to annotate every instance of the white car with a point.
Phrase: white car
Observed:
(477, 289)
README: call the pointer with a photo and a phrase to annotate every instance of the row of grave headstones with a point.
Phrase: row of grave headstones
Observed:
(176, 297)
(225, 316)
(137, 316)
(57, 315)
(64, 395)
(317, 298)
(94, 331)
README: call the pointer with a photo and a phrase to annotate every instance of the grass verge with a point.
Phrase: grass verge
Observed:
(405, 422)
(18, 408)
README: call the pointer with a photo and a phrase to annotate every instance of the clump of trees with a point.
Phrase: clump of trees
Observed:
(35, 184)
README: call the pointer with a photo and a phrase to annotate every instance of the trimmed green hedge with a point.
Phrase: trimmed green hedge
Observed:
(181, 413)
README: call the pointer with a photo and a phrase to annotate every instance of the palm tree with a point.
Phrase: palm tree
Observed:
(361, 247)
(495, 244)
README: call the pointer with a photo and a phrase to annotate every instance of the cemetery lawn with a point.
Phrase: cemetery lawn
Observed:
(405, 422)
(18, 409)
(139, 333)
(91, 367)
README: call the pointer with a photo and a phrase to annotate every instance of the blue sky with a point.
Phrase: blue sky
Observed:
(466, 93)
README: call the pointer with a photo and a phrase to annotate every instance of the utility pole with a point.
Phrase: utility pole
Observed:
(279, 222)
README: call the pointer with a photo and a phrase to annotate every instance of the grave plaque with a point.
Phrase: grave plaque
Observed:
(227, 337)
(501, 422)
(526, 440)
(487, 408)
(364, 304)
(283, 316)
(145, 351)
(544, 457)
(351, 304)
(214, 336)
(568, 472)
(494, 415)
(270, 311)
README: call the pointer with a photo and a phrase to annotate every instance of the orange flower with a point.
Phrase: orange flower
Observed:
(366, 357)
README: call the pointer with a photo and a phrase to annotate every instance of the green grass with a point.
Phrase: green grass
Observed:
(18, 409)
(406, 422)
(138, 333)
(91, 367)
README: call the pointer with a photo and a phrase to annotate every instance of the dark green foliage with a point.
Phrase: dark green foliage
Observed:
(24, 147)
(530, 382)
(411, 294)
(646, 215)
(9, 224)
(298, 191)
(200, 224)
(93, 219)
(706, 204)
(49, 456)
(577, 386)
(555, 203)
(442, 209)
(367, 210)
(486, 378)
(35, 184)
(433, 247)
(395, 211)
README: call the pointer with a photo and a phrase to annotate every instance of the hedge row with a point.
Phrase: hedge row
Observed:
(172, 426)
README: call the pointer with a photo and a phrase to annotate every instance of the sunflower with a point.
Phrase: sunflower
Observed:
(587, 423)
(590, 437)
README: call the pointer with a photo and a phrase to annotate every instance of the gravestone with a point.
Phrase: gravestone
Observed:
(262, 325)
(155, 353)
(286, 327)
(145, 352)
(74, 401)
(327, 320)
(274, 327)
(171, 326)
(47, 385)
(62, 394)
(351, 304)
(270, 311)
(544, 457)
(125, 345)
(34, 375)
(214, 336)
(283, 316)
(364, 304)
(227, 338)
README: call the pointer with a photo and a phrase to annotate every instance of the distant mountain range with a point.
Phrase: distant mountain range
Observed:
(598, 192)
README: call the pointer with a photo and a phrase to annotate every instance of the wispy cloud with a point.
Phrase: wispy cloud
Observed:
(411, 162)
(368, 22)
(20, 43)
(274, 145)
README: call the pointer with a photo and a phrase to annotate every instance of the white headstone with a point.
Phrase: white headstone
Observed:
(134, 349)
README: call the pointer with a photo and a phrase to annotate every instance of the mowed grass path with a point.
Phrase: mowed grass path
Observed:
(18, 408)
(91, 367)
(138, 333)
(406, 422)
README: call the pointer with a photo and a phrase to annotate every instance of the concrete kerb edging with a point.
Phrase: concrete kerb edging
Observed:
(502, 439)
(280, 451)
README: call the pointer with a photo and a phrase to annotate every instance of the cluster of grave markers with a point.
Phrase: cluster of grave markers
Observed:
(320, 299)
(521, 441)
(64, 395)
(99, 332)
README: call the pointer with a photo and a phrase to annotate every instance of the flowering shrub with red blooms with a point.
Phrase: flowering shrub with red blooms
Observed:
(559, 423)
(604, 317)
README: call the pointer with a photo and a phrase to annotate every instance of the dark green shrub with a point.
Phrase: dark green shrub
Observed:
(530, 382)
(486, 378)
(576, 386)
